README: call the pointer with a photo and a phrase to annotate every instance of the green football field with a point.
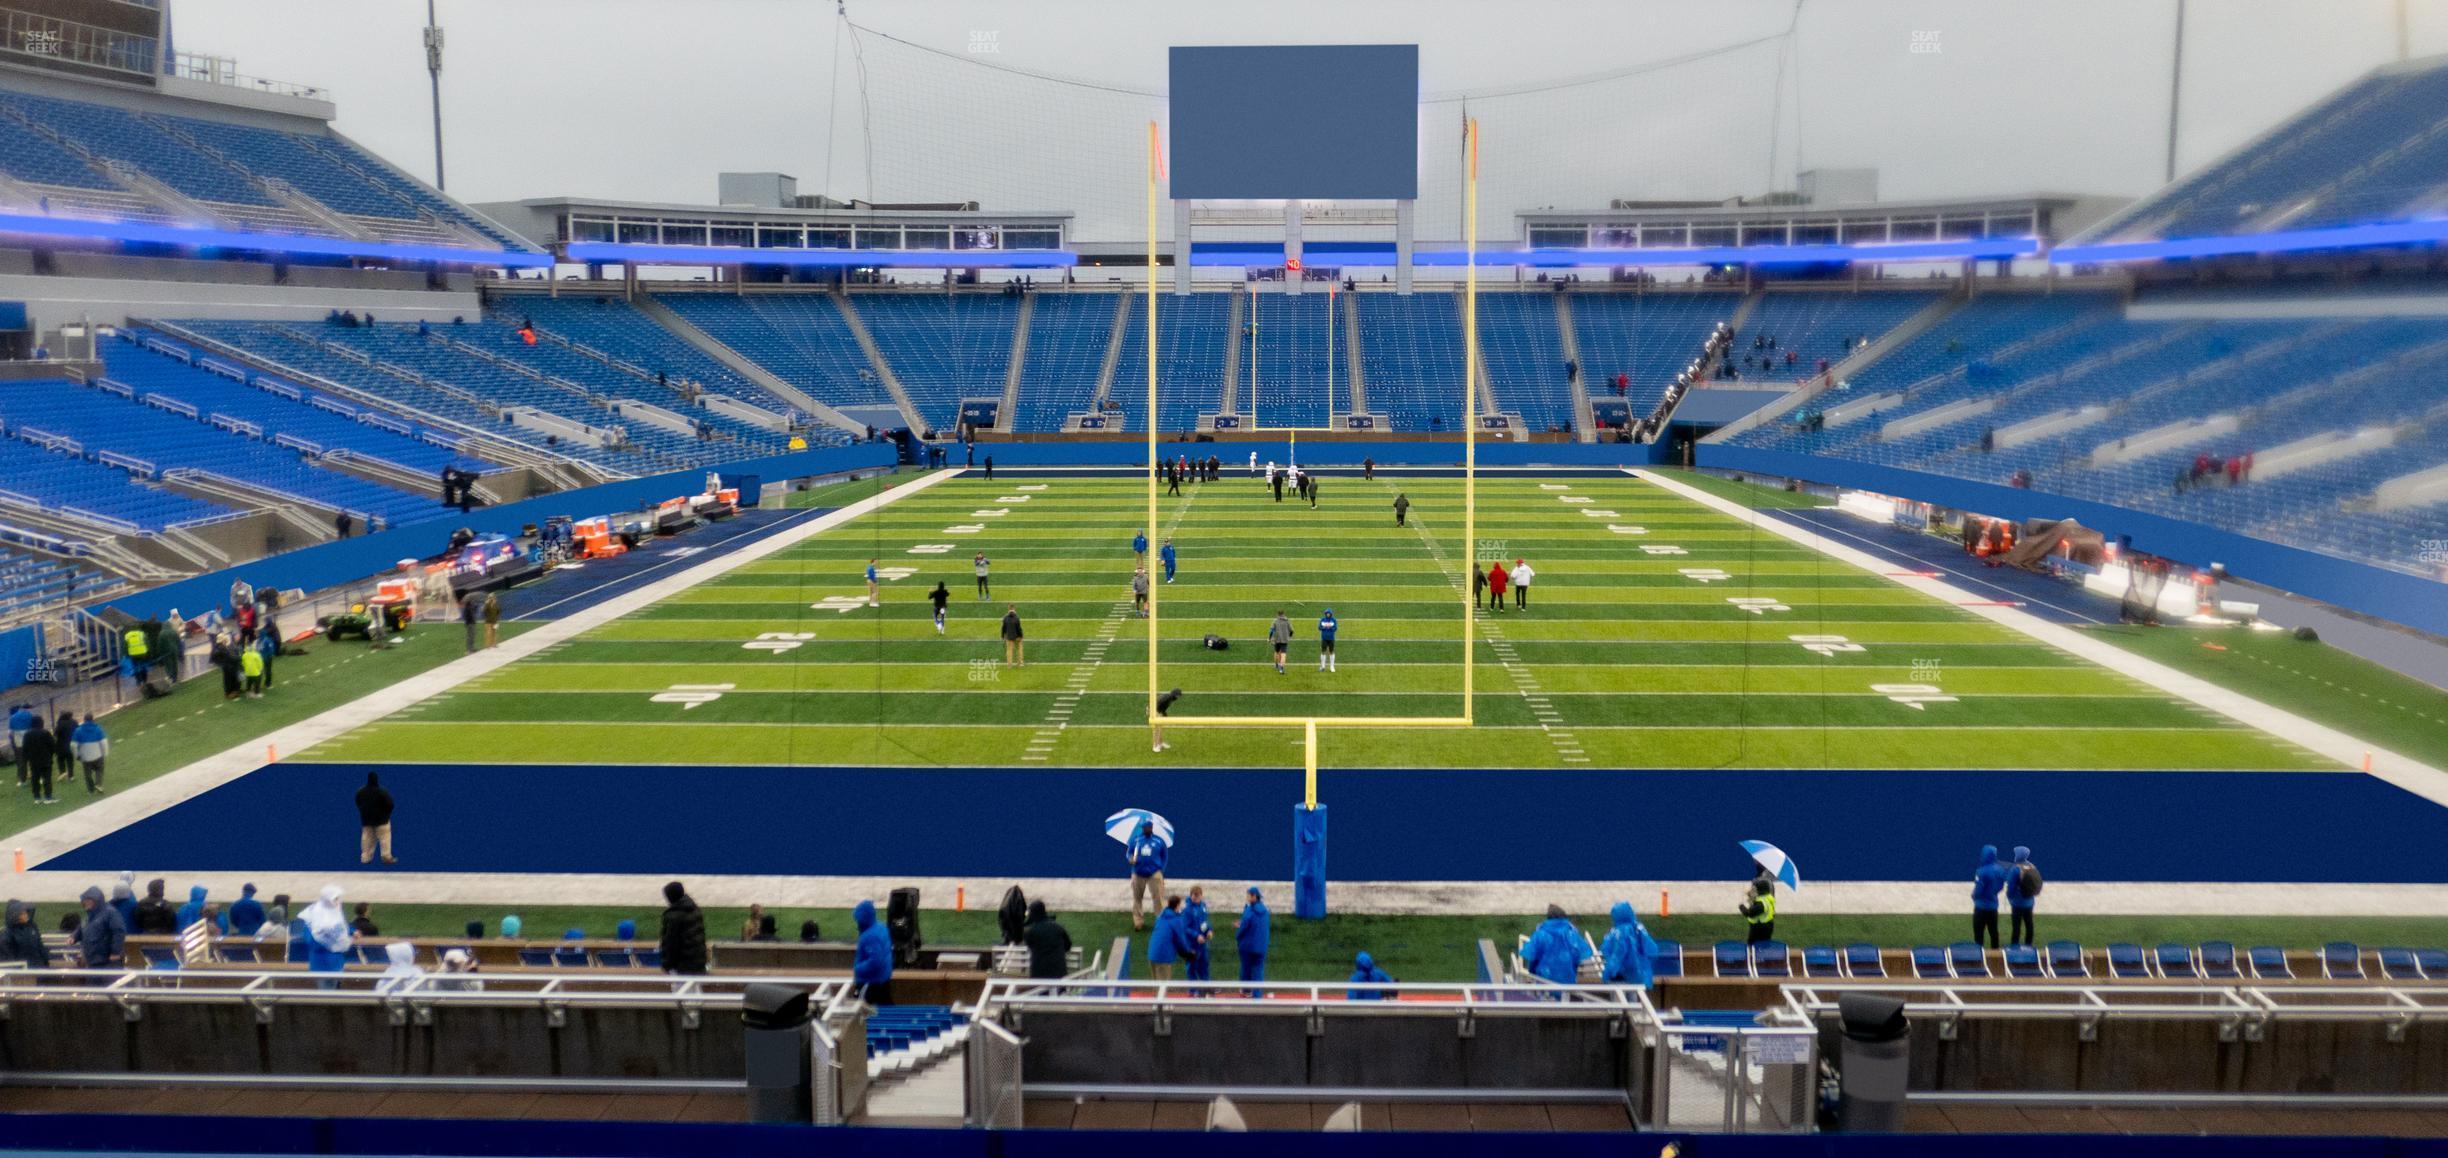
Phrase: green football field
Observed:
(1661, 634)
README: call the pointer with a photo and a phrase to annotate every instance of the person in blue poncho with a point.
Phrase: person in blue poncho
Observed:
(1139, 547)
(1146, 854)
(1988, 880)
(247, 915)
(193, 911)
(1628, 950)
(1169, 559)
(2022, 896)
(1197, 931)
(1366, 972)
(1250, 936)
(1170, 941)
(873, 968)
(1556, 949)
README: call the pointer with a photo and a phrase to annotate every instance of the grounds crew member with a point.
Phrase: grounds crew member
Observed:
(1759, 911)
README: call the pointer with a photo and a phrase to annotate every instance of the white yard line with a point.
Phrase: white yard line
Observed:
(2403, 771)
(121, 809)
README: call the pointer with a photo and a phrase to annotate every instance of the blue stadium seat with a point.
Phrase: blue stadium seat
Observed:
(160, 957)
(2023, 961)
(1930, 963)
(1820, 961)
(2065, 959)
(1968, 959)
(238, 952)
(538, 958)
(1669, 960)
(616, 958)
(2126, 962)
(1772, 959)
(2218, 961)
(2397, 963)
(2342, 961)
(2176, 962)
(650, 958)
(1733, 959)
(2269, 963)
(1864, 960)
(2434, 963)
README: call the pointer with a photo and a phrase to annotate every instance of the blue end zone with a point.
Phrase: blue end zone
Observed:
(1390, 825)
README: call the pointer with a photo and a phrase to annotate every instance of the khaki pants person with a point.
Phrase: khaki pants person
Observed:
(1161, 971)
(1146, 888)
(373, 837)
(1015, 652)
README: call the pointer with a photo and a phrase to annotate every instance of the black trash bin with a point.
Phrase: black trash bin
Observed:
(1877, 1063)
(774, 1020)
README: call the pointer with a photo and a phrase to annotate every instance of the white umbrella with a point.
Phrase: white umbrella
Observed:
(1773, 859)
(1124, 825)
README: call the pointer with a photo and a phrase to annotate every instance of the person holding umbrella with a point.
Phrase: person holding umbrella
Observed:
(1758, 907)
(1759, 912)
(1146, 853)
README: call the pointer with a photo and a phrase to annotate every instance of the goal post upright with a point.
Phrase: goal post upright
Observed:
(1155, 166)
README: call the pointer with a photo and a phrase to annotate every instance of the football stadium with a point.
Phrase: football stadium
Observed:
(644, 579)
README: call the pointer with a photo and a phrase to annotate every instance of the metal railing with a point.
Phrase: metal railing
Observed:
(1428, 999)
(224, 70)
(1756, 1079)
(267, 990)
(2241, 1011)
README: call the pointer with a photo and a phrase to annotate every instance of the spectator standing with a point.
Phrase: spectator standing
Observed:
(101, 940)
(471, 612)
(225, 657)
(871, 584)
(752, 922)
(196, 909)
(1988, 880)
(20, 721)
(1628, 952)
(91, 747)
(682, 939)
(1169, 942)
(1366, 972)
(362, 924)
(1199, 931)
(22, 942)
(1139, 592)
(1326, 640)
(154, 916)
(1049, 944)
(2022, 896)
(1402, 513)
(978, 561)
(1279, 633)
(327, 933)
(63, 749)
(251, 665)
(1556, 949)
(343, 523)
(1479, 581)
(1251, 935)
(402, 971)
(1761, 911)
(1146, 854)
(1015, 645)
(1522, 575)
(40, 754)
(492, 618)
(941, 597)
(872, 969)
(1168, 558)
(374, 821)
(1496, 585)
(246, 916)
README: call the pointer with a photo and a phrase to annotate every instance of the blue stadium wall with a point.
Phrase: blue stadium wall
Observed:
(348, 560)
(2382, 594)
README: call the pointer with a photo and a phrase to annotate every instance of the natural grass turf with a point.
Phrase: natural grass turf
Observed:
(1444, 948)
(151, 737)
(1638, 588)
(2314, 680)
(1759, 496)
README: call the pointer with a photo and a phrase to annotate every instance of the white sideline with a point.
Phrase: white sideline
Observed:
(121, 809)
(2403, 771)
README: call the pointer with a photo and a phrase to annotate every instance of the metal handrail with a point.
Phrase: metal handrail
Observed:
(269, 987)
(1306, 996)
(2209, 1002)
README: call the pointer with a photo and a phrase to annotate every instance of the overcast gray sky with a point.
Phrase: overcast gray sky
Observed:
(648, 99)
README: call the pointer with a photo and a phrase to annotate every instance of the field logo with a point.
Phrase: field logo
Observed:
(1925, 42)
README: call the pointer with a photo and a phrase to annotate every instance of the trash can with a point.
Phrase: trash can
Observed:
(774, 1021)
(1877, 1063)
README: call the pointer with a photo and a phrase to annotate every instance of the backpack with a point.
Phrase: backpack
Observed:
(2028, 881)
(1215, 642)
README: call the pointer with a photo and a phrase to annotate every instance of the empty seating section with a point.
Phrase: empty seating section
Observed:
(1068, 336)
(1651, 337)
(30, 583)
(1191, 335)
(1816, 326)
(801, 338)
(2370, 152)
(2023, 358)
(1522, 351)
(943, 347)
(328, 423)
(103, 421)
(65, 482)
(30, 155)
(139, 140)
(294, 159)
(621, 330)
(1294, 374)
(1411, 355)
(462, 357)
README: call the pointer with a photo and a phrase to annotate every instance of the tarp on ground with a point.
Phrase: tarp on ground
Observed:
(2042, 538)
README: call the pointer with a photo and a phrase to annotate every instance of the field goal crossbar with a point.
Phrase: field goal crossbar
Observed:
(1309, 724)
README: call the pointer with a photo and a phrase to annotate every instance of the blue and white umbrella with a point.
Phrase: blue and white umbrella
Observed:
(1124, 825)
(1773, 859)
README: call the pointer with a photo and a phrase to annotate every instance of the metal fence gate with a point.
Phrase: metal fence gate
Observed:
(993, 1077)
(1734, 1080)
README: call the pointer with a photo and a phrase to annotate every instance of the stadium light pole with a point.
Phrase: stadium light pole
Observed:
(433, 70)
(2175, 91)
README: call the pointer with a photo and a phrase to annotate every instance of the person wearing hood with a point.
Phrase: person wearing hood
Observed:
(1988, 880)
(2022, 895)
(511, 927)
(196, 910)
(1366, 972)
(1758, 909)
(810, 932)
(1167, 943)
(276, 915)
(625, 931)
(402, 971)
(374, 821)
(1049, 944)
(328, 941)
(1627, 952)
(22, 942)
(1251, 935)
(247, 915)
(872, 969)
(91, 747)
(682, 939)
(154, 916)
(458, 969)
(1199, 932)
(102, 940)
(1146, 855)
(39, 750)
(21, 720)
(123, 898)
(1556, 949)
(63, 748)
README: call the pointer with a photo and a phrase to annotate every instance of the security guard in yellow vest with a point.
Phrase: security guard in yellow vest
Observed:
(1759, 911)
(139, 648)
